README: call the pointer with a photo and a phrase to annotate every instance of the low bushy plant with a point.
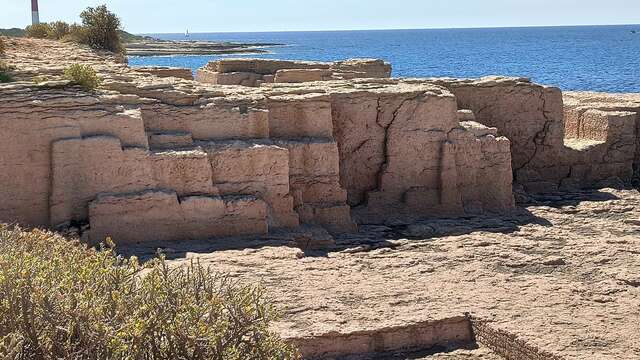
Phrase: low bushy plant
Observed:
(38, 31)
(2, 46)
(77, 33)
(62, 300)
(82, 75)
(101, 28)
(58, 30)
(5, 72)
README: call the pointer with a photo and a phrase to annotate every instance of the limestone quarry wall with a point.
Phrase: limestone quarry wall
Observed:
(254, 72)
(555, 146)
(163, 158)
(408, 151)
(139, 169)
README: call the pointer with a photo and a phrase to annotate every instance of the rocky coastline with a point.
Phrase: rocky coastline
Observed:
(156, 47)
(377, 211)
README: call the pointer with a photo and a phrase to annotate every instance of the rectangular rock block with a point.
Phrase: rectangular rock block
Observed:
(300, 116)
(186, 172)
(208, 122)
(161, 216)
(259, 169)
(82, 168)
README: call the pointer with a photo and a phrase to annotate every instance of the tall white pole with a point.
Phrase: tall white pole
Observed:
(35, 16)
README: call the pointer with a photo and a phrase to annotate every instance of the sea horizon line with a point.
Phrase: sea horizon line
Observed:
(390, 29)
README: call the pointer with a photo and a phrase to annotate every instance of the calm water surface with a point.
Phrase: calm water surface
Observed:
(599, 58)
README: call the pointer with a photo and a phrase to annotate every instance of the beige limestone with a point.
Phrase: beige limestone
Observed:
(82, 168)
(187, 172)
(300, 116)
(554, 145)
(302, 75)
(208, 122)
(311, 151)
(162, 216)
(255, 169)
(167, 71)
(255, 72)
(562, 274)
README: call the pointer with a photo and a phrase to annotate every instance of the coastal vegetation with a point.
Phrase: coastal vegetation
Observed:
(38, 31)
(100, 29)
(5, 72)
(60, 299)
(83, 75)
(2, 46)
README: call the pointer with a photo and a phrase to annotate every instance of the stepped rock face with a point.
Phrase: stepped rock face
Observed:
(583, 139)
(254, 72)
(163, 158)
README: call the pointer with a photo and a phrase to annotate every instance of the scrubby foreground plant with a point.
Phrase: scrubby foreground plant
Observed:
(82, 75)
(5, 72)
(62, 300)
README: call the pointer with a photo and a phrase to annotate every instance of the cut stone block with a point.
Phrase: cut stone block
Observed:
(162, 216)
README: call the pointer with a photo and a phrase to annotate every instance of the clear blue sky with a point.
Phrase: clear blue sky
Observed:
(146, 16)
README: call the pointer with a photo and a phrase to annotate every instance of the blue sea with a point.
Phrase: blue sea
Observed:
(598, 58)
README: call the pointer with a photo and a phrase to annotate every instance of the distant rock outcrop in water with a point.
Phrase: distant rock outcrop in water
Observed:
(254, 72)
(155, 47)
(164, 158)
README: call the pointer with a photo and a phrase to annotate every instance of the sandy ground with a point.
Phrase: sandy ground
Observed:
(562, 272)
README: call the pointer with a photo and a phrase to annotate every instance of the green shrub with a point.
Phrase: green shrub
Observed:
(2, 46)
(62, 300)
(101, 28)
(82, 75)
(38, 31)
(58, 30)
(5, 72)
(77, 33)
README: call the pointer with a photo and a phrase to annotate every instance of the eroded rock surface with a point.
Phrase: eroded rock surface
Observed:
(331, 152)
(254, 72)
(308, 153)
(561, 274)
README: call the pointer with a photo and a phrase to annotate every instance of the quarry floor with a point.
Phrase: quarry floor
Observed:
(562, 272)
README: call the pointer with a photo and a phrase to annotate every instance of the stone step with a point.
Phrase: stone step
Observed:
(160, 215)
(170, 140)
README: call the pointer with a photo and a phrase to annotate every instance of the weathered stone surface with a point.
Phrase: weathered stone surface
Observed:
(162, 216)
(185, 172)
(255, 72)
(167, 71)
(170, 140)
(31, 119)
(315, 183)
(554, 146)
(503, 268)
(294, 116)
(208, 122)
(302, 75)
(311, 151)
(82, 168)
(255, 169)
